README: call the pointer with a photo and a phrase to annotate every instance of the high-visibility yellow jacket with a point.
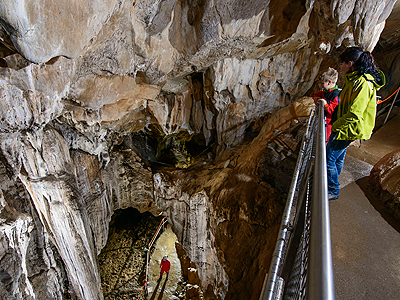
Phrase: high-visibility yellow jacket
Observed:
(357, 107)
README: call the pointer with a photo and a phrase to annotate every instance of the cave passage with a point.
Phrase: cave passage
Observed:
(173, 288)
(122, 261)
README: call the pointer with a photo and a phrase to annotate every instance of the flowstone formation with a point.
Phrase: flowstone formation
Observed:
(164, 106)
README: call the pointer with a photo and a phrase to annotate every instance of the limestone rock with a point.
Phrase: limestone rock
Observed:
(50, 181)
(192, 292)
(367, 18)
(385, 182)
(79, 79)
(15, 234)
(387, 170)
(386, 53)
(197, 239)
(70, 183)
(30, 267)
(32, 96)
(32, 31)
(240, 205)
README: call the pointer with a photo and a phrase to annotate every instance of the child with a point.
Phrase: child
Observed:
(329, 93)
(356, 110)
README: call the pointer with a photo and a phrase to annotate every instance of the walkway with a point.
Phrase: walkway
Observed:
(366, 249)
(165, 289)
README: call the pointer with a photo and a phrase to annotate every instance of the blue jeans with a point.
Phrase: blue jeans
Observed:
(335, 153)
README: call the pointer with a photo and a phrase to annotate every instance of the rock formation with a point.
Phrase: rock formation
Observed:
(387, 52)
(93, 92)
(385, 183)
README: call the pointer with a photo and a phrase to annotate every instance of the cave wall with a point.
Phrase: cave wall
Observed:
(31, 267)
(73, 94)
(387, 50)
(384, 184)
(226, 214)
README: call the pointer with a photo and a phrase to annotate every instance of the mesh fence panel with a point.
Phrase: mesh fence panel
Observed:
(295, 278)
(296, 283)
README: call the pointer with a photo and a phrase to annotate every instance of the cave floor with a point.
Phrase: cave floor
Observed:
(165, 289)
(365, 242)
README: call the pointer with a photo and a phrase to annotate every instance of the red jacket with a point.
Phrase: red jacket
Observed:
(332, 100)
(165, 265)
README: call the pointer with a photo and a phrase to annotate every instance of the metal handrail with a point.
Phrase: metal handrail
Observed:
(305, 228)
(391, 107)
(320, 284)
(271, 280)
(163, 221)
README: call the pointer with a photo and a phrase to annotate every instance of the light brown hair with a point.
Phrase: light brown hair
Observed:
(331, 75)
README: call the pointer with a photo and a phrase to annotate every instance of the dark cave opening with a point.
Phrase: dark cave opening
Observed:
(122, 261)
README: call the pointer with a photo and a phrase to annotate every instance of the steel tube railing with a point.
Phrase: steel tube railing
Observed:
(320, 283)
(163, 221)
(272, 279)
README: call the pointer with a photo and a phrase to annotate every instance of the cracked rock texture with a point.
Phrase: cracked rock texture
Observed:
(385, 182)
(165, 106)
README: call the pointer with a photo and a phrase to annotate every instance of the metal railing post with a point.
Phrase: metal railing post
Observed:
(320, 283)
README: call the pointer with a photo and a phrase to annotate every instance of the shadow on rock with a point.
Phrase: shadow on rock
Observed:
(377, 200)
(160, 296)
